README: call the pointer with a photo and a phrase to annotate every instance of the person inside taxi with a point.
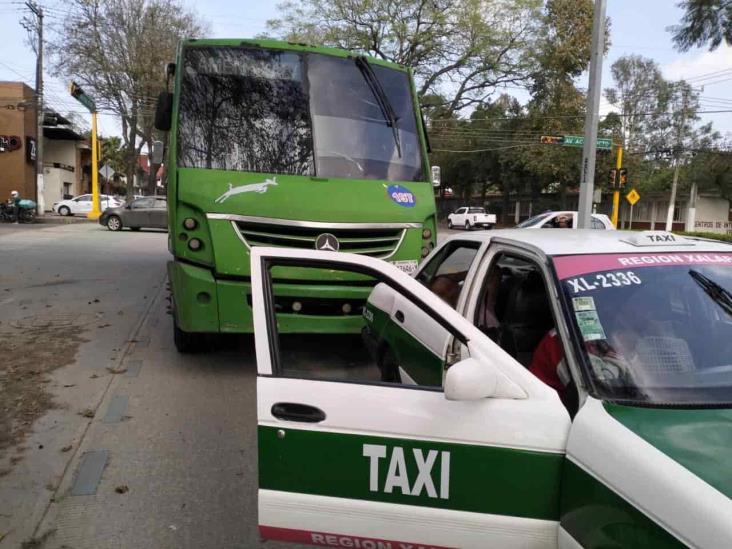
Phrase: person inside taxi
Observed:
(487, 319)
(632, 327)
(446, 289)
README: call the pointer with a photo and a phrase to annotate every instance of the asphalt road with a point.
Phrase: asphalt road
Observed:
(141, 447)
(125, 442)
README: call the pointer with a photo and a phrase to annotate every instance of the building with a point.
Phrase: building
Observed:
(66, 153)
(709, 212)
(66, 161)
(17, 140)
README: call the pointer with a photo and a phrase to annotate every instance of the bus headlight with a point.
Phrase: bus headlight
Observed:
(194, 244)
(425, 251)
(190, 223)
(426, 234)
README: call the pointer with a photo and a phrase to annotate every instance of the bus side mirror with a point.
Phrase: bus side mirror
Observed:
(156, 157)
(436, 176)
(164, 111)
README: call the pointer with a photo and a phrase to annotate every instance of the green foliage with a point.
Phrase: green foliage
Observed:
(705, 22)
(459, 50)
(712, 236)
(116, 50)
(112, 152)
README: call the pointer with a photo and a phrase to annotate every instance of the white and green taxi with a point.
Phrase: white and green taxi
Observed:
(436, 430)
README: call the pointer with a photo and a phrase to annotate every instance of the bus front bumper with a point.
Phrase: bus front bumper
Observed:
(204, 303)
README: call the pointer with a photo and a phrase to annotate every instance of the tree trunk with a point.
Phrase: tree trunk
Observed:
(131, 155)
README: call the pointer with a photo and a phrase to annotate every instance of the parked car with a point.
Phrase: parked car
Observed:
(551, 220)
(149, 212)
(83, 204)
(470, 218)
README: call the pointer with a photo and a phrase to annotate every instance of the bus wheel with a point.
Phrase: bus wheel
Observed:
(189, 342)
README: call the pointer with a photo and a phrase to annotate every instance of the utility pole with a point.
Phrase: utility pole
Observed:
(677, 156)
(86, 100)
(589, 150)
(616, 191)
(38, 12)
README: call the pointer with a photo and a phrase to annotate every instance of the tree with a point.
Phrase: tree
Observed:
(711, 170)
(640, 95)
(557, 106)
(116, 49)
(460, 50)
(705, 22)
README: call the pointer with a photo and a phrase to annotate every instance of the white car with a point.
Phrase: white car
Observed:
(467, 447)
(470, 217)
(83, 204)
(548, 220)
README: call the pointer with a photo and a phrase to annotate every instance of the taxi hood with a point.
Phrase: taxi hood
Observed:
(697, 439)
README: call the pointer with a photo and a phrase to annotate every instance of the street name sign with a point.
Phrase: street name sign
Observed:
(579, 141)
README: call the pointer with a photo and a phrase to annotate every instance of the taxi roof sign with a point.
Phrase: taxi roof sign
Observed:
(657, 238)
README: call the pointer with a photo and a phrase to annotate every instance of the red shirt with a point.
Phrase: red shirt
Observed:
(548, 365)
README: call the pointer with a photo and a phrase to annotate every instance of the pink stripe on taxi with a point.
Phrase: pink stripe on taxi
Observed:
(575, 265)
(325, 539)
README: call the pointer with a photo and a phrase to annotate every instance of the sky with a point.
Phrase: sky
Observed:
(638, 27)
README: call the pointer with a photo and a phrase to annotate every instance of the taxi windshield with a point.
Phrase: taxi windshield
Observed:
(533, 220)
(655, 329)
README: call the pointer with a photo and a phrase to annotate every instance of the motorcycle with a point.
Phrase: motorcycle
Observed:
(26, 211)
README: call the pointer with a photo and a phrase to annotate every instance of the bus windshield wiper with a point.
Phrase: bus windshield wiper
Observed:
(381, 99)
(721, 297)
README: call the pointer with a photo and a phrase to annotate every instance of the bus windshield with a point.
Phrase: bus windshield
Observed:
(285, 112)
(656, 328)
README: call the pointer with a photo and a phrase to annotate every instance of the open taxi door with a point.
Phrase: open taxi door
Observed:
(348, 460)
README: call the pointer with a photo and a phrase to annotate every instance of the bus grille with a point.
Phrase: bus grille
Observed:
(379, 243)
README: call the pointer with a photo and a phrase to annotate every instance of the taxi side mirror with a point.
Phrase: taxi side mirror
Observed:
(470, 379)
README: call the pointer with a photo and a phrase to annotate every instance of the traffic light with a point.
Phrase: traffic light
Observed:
(612, 178)
(79, 94)
(551, 139)
(623, 178)
(76, 91)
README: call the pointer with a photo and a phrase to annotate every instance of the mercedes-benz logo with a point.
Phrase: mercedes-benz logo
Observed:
(327, 242)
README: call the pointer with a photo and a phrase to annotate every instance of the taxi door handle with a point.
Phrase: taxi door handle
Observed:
(292, 411)
(399, 316)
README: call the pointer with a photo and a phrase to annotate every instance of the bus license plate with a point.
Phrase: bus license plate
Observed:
(408, 266)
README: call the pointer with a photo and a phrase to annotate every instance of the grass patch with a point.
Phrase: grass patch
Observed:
(713, 236)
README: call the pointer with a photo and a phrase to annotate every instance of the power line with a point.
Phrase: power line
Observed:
(482, 150)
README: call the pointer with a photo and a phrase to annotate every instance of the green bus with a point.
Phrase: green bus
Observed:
(280, 144)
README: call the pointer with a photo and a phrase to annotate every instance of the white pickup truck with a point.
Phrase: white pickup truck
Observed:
(470, 218)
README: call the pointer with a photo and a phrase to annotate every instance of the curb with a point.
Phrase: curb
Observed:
(62, 220)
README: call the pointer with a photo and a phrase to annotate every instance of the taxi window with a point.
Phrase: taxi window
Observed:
(446, 272)
(371, 333)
